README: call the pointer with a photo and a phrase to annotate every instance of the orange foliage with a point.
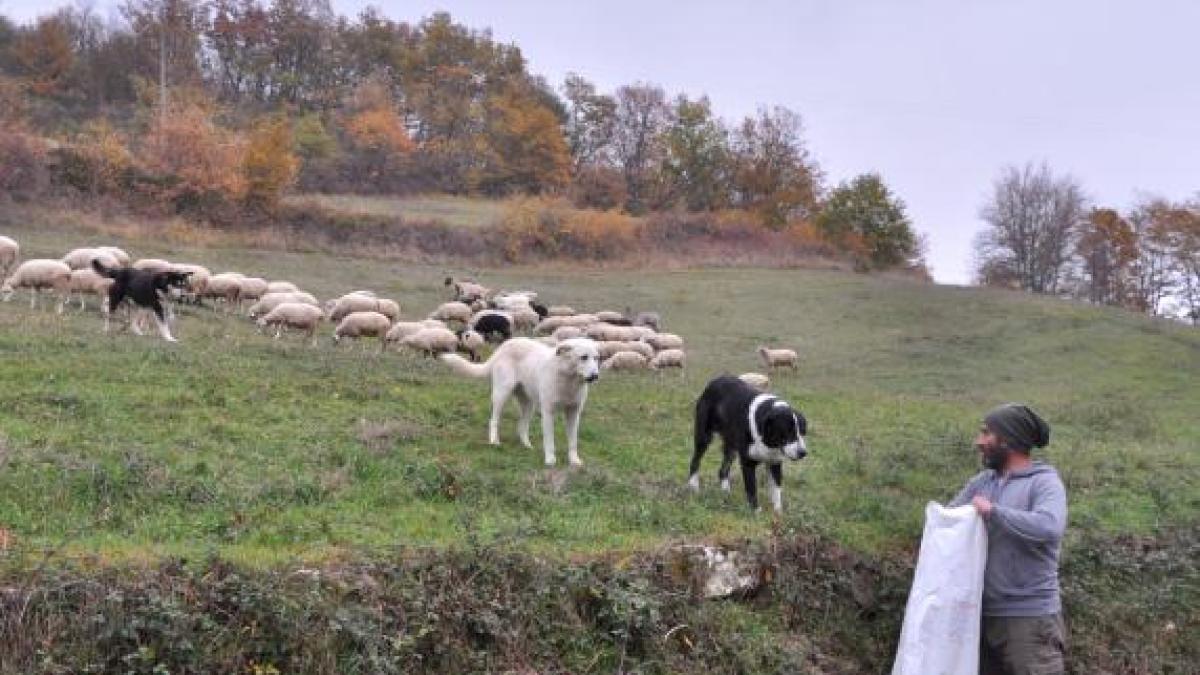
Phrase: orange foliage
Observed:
(187, 145)
(528, 149)
(106, 154)
(45, 55)
(270, 165)
(379, 129)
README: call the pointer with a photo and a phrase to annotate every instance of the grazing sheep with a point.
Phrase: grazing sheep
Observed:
(607, 349)
(561, 310)
(251, 288)
(525, 318)
(625, 361)
(492, 324)
(270, 301)
(778, 358)
(339, 308)
(452, 311)
(567, 332)
(472, 343)
(89, 282)
(648, 320)
(402, 329)
(282, 287)
(388, 308)
(149, 264)
(641, 332)
(661, 341)
(81, 258)
(553, 323)
(123, 258)
(512, 301)
(363, 324)
(615, 318)
(37, 274)
(607, 331)
(757, 380)
(468, 291)
(299, 315)
(668, 358)
(225, 286)
(10, 250)
(432, 341)
(432, 323)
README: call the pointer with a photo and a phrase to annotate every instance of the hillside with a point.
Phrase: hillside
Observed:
(128, 453)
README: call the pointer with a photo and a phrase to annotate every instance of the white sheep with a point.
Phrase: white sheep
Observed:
(661, 341)
(778, 358)
(612, 317)
(339, 308)
(648, 319)
(152, 265)
(197, 281)
(225, 286)
(88, 282)
(757, 380)
(402, 329)
(553, 323)
(251, 288)
(37, 274)
(10, 250)
(567, 332)
(452, 311)
(299, 315)
(472, 343)
(623, 360)
(639, 347)
(270, 301)
(468, 291)
(607, 331)
(525, 318)
(512, 301)
(432, 341)
(363, 324)
(432, 323)
(668, 358)
(123, 258)
(282, 287)
(81, 258)
(560, 310)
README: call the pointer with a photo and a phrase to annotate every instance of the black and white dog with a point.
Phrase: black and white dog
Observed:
(145, 288)
(754, 427)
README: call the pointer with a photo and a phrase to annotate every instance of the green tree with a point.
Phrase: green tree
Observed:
(863, 214)
(696, 162)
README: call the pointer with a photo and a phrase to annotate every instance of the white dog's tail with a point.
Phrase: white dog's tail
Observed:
(464, 367)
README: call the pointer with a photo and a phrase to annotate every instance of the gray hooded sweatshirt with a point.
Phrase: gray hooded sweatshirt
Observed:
(1025, 530)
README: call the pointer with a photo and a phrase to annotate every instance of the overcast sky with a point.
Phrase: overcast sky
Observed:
(935, 95)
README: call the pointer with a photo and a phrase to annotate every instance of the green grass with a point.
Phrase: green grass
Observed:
(264, 451)
(457, 211)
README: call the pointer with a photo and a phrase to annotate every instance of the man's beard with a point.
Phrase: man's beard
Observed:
(995, 457)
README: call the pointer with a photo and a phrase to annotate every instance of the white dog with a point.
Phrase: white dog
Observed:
(550, 378)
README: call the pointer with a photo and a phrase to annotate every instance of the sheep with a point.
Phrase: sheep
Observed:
(468, 291)
(492, 323)
(270, 301)
(123, 258)
(452, 311)
(282, 287)
(512, 301)
(551, 324)
(432, 323)
(642, 332)
(777, 358)
(402, 329)
(615, 318)
(363, 324)
(648, 320)
(299, 315)
(608, 348)
(560, 310)
(624, 361)
(81, 258)
(225, 286)
(757, 380)
(668, 358)
(639, 347)
(37, 274)
(251, 288)
(607, 331)
(662, 341)
(339, 308)
(567, 332)
(472, 343)
(389, 308)
(152, 265)
(10, 250)
(525, 318)
(88, 281)
(432, 341)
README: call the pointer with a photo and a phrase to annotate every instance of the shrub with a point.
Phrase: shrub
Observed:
(23, 170)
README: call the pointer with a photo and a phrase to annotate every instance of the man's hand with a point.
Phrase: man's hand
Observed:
(983, 505)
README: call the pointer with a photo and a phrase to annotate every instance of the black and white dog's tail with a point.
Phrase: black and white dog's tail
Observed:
(102, 270)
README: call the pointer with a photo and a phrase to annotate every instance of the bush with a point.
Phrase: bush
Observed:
(540, 229)
(23, 170)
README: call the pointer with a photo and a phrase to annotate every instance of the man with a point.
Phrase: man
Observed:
(1024, 504)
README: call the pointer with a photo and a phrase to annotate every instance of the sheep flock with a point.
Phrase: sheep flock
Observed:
(472, 317)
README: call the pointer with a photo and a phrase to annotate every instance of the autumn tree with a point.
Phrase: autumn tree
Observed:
(168, 34)
(773, 174)
(696, 161)
(1032, 218)
(269, 165)
(202, 158)
(44, 55)
(378, 136)
(1107, 247)
(527, 150)
(864, 214)
(642, 115)
(591, 122)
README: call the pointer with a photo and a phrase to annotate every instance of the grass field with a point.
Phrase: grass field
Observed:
(457, 211)
(129, 450)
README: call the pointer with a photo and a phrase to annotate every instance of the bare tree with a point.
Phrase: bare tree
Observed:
(641, 118)
(591, 121)
(1153, 278)
(1032, 218)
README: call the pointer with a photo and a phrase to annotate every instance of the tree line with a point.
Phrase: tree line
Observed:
(188, 101)
(1044, 235)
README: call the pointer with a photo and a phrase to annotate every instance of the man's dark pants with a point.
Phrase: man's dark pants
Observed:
(1022, 645)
